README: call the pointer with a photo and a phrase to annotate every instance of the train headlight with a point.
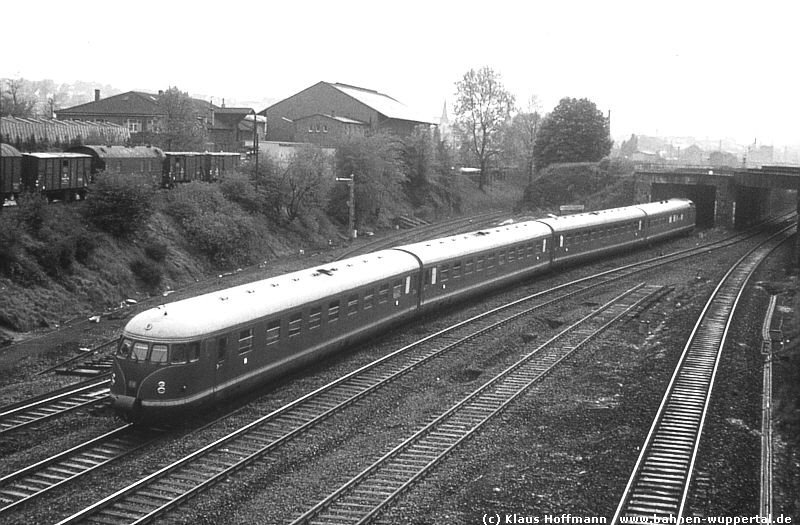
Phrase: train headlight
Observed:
(162, 388)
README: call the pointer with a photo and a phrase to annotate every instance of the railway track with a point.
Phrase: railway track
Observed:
(158, 493)
(33, 481)
(54, 404)
(368, 493)
(92, 363)
(659, 486)
(325, 402)
(765, 497)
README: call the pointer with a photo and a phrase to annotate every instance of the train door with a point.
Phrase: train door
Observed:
(222, 365)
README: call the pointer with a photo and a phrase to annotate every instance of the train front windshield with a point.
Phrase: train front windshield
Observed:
(158, 353)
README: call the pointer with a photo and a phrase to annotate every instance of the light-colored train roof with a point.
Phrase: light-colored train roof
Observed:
(666, 206)
(601, 217)
(437, 250)
(198, 316)
(593, 218)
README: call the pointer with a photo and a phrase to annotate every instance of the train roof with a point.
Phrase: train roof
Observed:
(593, 218)
(121, 152)
(437, 250)
(602, 217)
(185, 153)
(665, 206)
(57, 155)
(7, 150)
(190, 319)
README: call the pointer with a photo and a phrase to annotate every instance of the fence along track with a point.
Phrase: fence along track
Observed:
(33, 481)
(659, 485)
(366, 495)
(54, 404)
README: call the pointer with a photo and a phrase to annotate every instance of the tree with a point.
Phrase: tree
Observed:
(14, 102)
(482, 107)
(629, 147)
(519, 138)
(183, 128)
(301, 186)
(576, 131)
(374, 160)
(420, 164)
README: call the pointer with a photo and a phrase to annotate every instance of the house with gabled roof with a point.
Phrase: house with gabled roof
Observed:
(143, 113)
(139, 111)
(325, 111)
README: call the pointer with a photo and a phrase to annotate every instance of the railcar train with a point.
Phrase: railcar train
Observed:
(181, 356)
(67, 175)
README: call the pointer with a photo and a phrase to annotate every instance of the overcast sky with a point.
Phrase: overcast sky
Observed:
(710, 69)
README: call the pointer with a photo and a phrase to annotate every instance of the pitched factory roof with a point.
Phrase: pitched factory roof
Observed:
(130, 103)
(383, 104)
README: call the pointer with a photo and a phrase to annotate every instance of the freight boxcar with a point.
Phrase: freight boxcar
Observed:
(145, 162)
(220, 163)
(10, 172)
(63, 176)
(183, 166)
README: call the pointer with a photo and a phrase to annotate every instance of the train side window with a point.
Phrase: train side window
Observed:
(273, 331)
(178, 354)
(501, 258)
(383, 294)
(397, 289)
(352, 304)
(125, 348)
(479, 264)
(315, 318)
(456, 270)
(512, 255)
(490, 261)
(369, 298)
(333, 311)
(468, 266)
(444, 273)
(428, 276)
(183, 352)
(295, 323)
(139, 352)
(222, 349)
(158, 354)
(245, 340)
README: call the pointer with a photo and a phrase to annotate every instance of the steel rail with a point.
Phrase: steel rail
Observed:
(302, 414)
(34, 480)
(765, 493)
(363, 497)
(658, 487)
(54, 404)
(66, 364)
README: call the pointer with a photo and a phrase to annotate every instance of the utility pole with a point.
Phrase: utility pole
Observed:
(255, 143)
(351, 205)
